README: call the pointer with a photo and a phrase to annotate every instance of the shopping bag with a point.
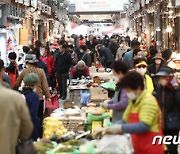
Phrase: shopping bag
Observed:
(53, 103)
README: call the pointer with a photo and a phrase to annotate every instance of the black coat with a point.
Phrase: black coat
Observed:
(169, 100)
(63, 63)
(106, 56)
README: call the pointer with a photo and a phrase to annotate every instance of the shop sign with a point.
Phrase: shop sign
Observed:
(34, 3)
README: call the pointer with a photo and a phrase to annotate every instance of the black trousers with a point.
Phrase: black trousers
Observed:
(40, 115)
(62, 83)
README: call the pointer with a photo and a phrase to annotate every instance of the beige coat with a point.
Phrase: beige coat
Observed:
(15, 120)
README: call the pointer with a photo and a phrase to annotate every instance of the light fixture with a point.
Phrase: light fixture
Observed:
(169, 29)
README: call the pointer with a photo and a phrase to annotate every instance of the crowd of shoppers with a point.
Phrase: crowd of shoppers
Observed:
(139, 75)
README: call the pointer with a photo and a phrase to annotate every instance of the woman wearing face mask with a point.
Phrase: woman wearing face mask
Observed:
(142, 117)
(168, 96)
(140, 65)
(154, 68)
(120, 100)
(86, 55)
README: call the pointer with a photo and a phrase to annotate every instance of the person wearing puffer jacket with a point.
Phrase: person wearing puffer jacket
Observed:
(120, 100)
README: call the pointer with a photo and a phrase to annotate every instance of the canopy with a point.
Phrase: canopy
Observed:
(80, 30)
(119, 30)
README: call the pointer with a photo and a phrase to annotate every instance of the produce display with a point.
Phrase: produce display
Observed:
(53, 126)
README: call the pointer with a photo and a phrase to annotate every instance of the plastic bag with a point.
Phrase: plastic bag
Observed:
(109, 86)
(112, 144)
(92, 117)
(85, 97)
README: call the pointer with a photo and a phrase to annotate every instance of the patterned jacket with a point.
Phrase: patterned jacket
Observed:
(42, 87)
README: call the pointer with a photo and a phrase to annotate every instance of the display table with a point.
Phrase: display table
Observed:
(74, 91)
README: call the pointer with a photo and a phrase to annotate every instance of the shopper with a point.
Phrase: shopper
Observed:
(73, 54)
(154, 68)
(32, 100)
(48, 59)
(121, 50)
(105, 55)
(79, 71)
(15, 119)
(120, 100)
(86, 55)
(42, 86)
(40, 63)
(137, 53)
(153, 51)
(168, 97)
(140, 65)
(128, 56)
(142, 117)
(63, 63)
(12, 69)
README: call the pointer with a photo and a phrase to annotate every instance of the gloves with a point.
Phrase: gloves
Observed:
(115, 129)
(98, 133)
(105, 104)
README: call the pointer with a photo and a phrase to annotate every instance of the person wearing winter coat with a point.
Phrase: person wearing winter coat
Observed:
(48, 59)
(141, 119)
(86, 55)
(79, 71)
(120, 100)
(15, 118)
(140, 65)
(168, 97)
(105, 55)
(154, 68)
(32, 100)
(12, 69)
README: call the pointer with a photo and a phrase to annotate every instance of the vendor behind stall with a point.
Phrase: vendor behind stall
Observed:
(120, 100)
(79, 71)
(142, 117)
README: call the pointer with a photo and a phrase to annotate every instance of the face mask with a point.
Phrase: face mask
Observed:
(141, 71)
(81, 51)
(132, 96)
(158, 61)
(163, 82)
(115, 79)
(121, 45)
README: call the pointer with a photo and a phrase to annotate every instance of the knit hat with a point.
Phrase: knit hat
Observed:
(165, 71)
(31, 79)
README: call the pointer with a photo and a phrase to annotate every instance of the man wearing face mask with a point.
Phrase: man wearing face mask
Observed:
(121, 50)
(140, 65)
(142, 117)
(168, 96)
(120, 100)
(154, 68)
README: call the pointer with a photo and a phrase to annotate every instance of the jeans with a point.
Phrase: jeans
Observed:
(62, 83)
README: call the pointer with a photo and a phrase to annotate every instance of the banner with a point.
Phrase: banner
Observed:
(99, 6)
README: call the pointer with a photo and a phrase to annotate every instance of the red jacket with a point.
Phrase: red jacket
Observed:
(49, 61)
(75, 74)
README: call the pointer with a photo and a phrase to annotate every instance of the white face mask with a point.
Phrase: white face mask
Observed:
(163, 82)
(81, 51)
(132, 96)
(115, 79)
(121, 45)
(141, 71)
(158, 61)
